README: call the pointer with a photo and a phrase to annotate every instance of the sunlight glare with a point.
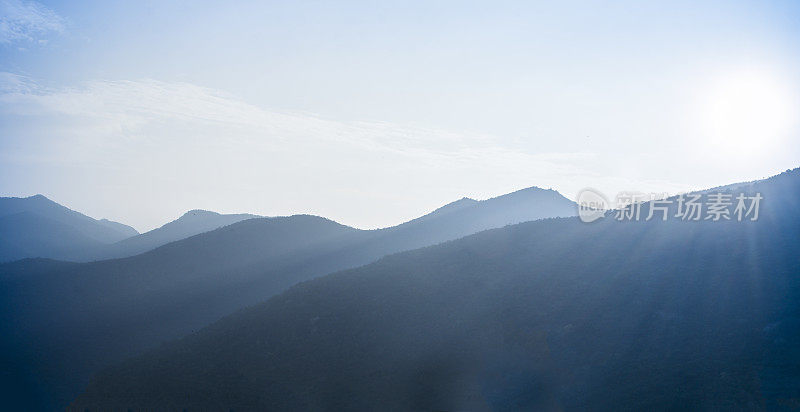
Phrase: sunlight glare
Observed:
(748, 112)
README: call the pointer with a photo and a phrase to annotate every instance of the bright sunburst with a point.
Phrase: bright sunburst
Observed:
(748, 112)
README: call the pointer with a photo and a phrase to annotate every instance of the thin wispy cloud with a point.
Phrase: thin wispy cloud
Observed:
(27, 21)
(175, 140)
(140, 110)
(15, 83)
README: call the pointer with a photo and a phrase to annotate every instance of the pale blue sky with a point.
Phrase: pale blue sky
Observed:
(371, 113)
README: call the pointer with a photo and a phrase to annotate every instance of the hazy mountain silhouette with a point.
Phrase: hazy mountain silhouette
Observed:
(38, 227)
(459, 204)
(67, 320)
(191, 223)
(546, 315)
(467, 216)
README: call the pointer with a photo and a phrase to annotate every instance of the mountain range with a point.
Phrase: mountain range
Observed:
(37, 227)
(509, 303)
(65, 321)
(191, 223)
(552, 314)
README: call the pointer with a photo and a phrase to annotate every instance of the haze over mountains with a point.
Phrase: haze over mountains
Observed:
(65, 321)
(37, 227)
(545, 314)
(552, 314)
(191, 223)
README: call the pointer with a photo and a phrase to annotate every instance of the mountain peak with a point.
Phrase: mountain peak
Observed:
(531, 192)
(464, 201)
(458, 204)
(535, 189)
(450, 207)
(37, 198)
(198, 213)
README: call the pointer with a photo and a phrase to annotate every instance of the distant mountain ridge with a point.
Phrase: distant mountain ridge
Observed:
(122, 306)
(553, 314)
(36, 226)
(103, 230)
(459, 204)
(189, 224)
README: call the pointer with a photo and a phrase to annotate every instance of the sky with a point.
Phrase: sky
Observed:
(373, 113)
